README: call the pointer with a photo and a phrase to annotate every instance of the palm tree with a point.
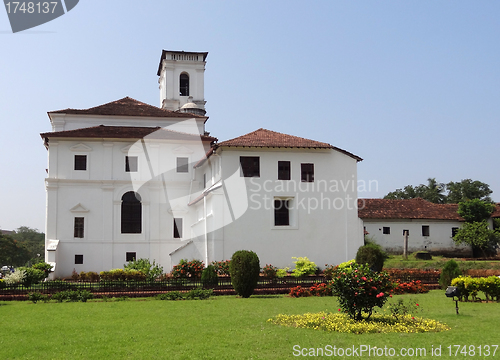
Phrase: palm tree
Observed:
(434, 191)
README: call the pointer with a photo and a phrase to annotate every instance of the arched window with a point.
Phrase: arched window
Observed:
(131, 213)
(184, 85)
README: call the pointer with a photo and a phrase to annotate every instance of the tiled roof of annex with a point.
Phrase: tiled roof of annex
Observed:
(127, 107)
(406, 209)
(268, 138)
(126, 132)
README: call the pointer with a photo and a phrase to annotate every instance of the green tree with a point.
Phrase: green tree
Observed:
(478, 235)
(33, 241)
(467, 190)
(11, 252)
(433, 192)
(475, 210)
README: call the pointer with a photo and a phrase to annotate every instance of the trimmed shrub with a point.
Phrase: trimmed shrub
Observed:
(321, 289)
(73, 296)
(303, 266)
(449, 272)
(209, 277)
(372, 255)
(245, 270)
(199, 294)
(36, 296)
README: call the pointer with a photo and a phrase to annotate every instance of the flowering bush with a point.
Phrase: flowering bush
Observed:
(299, 291)
(281, 273)
(222, 267)
(321, 289)
(378, 324)
(303, 266)
(15, 278)
(269, 271)
(411, 287)
(328, 271)
(187, 269)
(360, 289)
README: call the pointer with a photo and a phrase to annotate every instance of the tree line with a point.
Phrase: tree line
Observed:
(441, 193)
(24, 246)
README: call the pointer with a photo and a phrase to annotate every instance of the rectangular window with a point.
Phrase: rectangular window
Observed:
(281, 212)
(204, 181)
(307, 172)
(78, 227)
(130, 256)
(386, 230)
(250, 166)
(425, 230)
(78, 259)
(454, 231)
(182, 164)
(283, 170)
(131, 164)
(177, 228)
(80, 162)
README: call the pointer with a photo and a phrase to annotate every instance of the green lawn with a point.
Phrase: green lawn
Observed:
(221, 328)
(437, 262)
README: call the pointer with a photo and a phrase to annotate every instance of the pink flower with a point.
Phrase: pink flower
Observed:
(339, 309)
(390, 295)
(417, 304)
(380, 295)
(412, 318)
(363, 278)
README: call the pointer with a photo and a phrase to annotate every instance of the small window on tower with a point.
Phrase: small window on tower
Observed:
(184, 85)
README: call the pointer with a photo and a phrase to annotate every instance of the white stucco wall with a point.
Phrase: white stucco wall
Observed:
(324, 222)
(439, 240)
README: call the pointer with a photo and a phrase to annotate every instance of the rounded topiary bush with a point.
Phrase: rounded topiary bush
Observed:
(244, 269)
(372, 255)
(448, 273)
(209, 276)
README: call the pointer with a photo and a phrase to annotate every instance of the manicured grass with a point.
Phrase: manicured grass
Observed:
(437, 262)
(220, 328)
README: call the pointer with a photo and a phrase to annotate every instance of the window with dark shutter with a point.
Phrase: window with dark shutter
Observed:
(307, 172)
(250, 166)
(80, 162)
(130, 256)
(131, 217)
(281, 212)
(78, 259)
(283, 170)
(78, 227)
(182, 164)
(177, 228)
(131, 164)
(184, 85)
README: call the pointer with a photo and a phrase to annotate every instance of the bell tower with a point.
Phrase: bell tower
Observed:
(182, 79)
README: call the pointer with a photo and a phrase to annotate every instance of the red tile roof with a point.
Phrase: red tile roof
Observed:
(126, 132)
(127, 107)
(496, 213)
(268, 138)
(406, 209)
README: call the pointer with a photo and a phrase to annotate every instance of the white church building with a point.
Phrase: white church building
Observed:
(128, 180)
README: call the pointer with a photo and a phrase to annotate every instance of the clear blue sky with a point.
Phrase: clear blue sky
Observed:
(412, 87)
